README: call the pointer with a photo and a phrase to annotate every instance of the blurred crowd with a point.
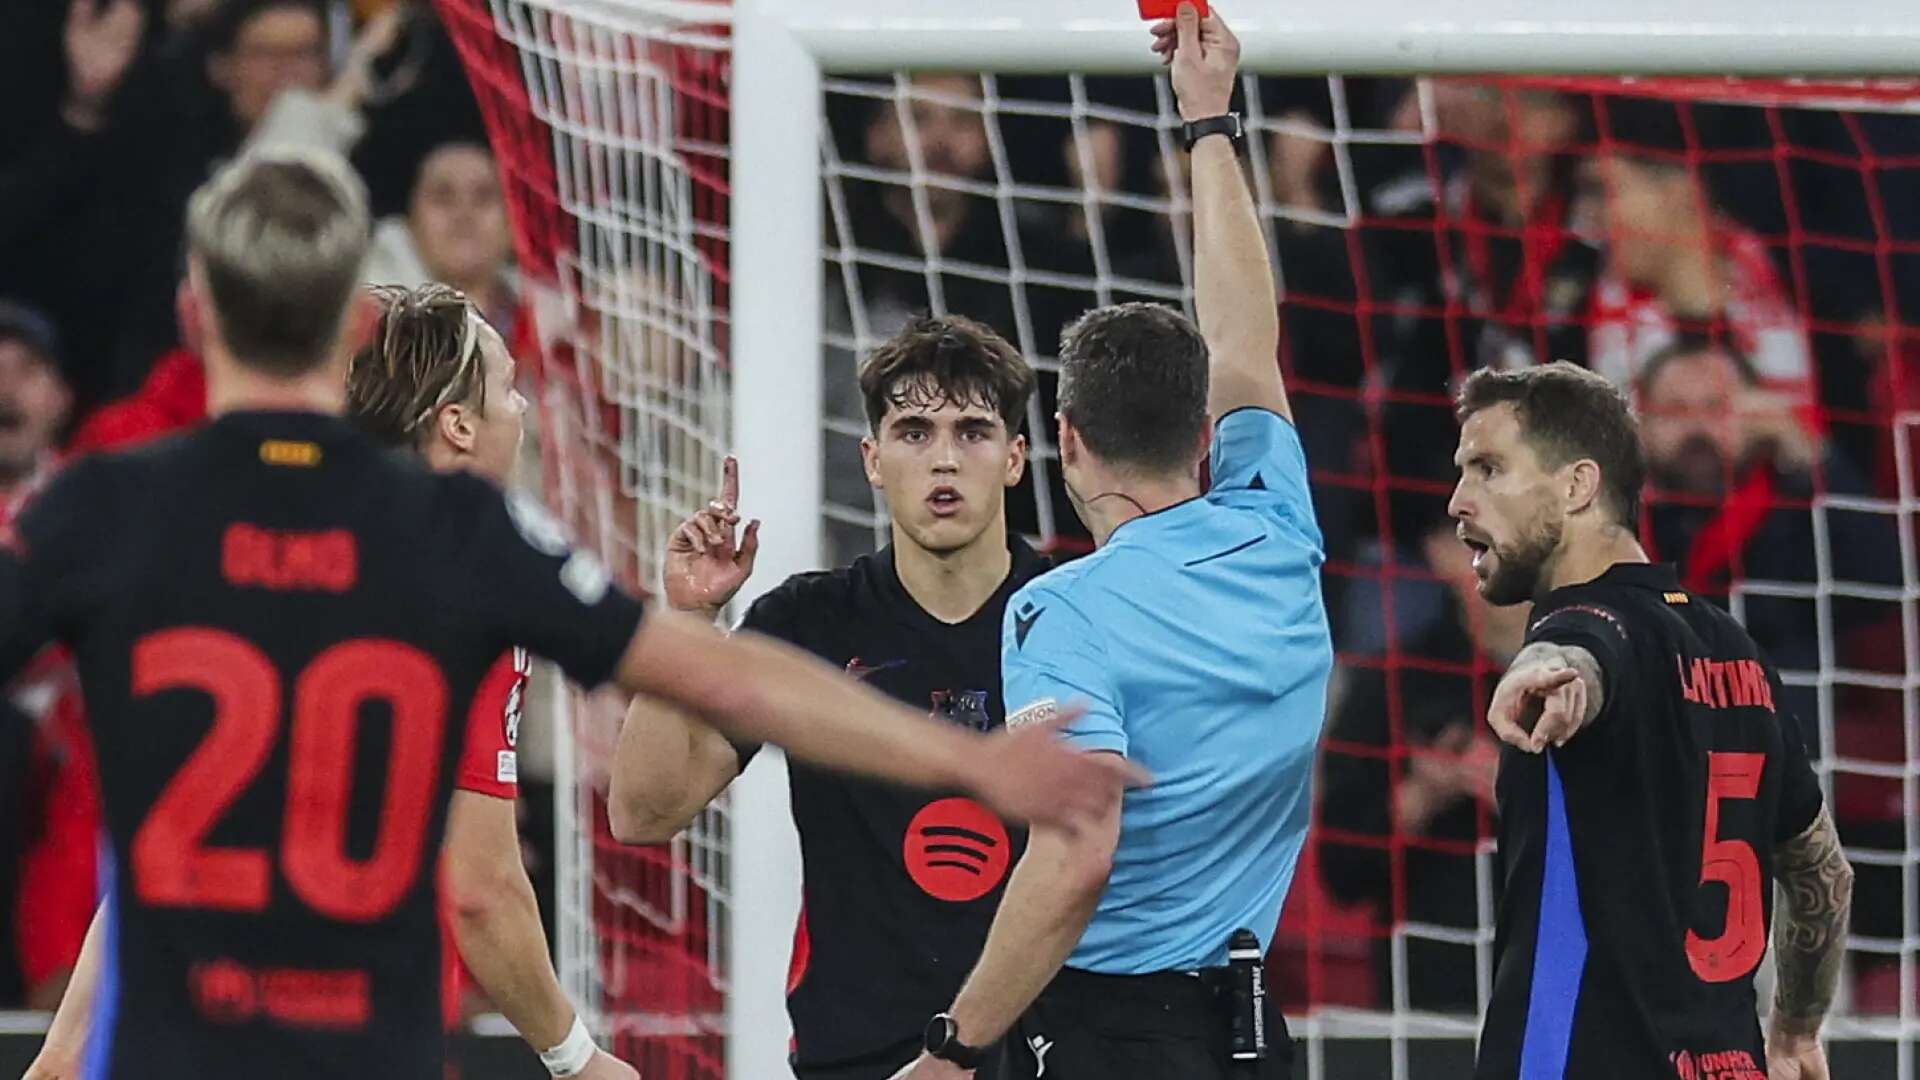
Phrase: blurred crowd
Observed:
(1751, 276)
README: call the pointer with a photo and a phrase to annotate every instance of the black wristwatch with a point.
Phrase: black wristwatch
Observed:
(1227, 124)
(943, 1042)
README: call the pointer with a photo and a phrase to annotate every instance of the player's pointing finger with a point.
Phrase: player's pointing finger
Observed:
(730, 482)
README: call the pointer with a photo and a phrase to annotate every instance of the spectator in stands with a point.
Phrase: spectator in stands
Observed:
(1514, 260)
(62, 72)
(1735, 473)
(251, 72)
(34, 401)
(1407, 771)
(262, 49)
(455, 232)
(936, 133)
(1676, 265)
(1506, 278)
(172, 398)
(52, 825)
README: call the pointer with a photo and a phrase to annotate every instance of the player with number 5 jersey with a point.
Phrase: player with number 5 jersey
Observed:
(279, 624)
(1652, 790)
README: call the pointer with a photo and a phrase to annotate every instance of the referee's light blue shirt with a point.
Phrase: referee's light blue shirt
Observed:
(1198, 639)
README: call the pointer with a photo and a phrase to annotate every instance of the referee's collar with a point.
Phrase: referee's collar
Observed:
(1169, 512)
(1658, 576)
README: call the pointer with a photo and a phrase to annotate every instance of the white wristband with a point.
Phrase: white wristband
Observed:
(573, 1053)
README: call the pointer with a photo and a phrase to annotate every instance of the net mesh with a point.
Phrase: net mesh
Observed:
(1740, 255)
(610, 126)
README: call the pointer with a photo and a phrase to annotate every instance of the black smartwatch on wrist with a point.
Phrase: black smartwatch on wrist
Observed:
(1227, 124)
(943, 1042)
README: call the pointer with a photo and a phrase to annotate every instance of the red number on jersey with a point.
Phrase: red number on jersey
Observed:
(326, 709)
(1733, 863)
(172, 867)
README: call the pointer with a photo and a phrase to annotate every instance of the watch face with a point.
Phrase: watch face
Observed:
(939, 1033)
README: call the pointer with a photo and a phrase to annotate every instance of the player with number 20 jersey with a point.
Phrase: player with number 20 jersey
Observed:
(273, 664)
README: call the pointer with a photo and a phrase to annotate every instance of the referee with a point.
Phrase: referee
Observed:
(1197, 638)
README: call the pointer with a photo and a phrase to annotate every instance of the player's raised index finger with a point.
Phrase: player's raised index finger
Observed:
(730, 481)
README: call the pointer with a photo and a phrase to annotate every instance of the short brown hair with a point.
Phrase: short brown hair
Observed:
(1567, 413)
(425, 354)
(281, 235)
(1133, 380)
(946, 359)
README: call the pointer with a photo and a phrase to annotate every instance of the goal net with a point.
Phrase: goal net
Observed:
(610, 127)
(1743, 256)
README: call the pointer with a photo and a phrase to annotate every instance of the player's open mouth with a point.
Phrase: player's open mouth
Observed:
(945, 501)
(1479, 548)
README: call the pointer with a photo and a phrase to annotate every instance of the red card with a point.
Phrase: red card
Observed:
(1167, 9)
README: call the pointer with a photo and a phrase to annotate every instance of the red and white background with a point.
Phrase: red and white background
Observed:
(718, 209)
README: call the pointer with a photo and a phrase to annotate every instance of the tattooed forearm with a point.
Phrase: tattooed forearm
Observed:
(1810, 928)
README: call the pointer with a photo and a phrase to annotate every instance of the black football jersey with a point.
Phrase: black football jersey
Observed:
(900, 885)
(1638, 857)
(278, 627)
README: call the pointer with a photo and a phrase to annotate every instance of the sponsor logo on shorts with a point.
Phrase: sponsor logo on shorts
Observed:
(506, 767)
(1040, 1044)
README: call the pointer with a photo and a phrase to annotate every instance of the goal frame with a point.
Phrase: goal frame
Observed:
(781, 49)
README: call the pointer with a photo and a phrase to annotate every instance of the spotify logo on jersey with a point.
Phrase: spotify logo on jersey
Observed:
(957, 850)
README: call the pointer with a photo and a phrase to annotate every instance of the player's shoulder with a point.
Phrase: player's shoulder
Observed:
(92, 484)
(808, 598)
(1074, 584)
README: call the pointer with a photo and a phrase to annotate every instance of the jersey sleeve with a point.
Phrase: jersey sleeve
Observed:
(1258, 463)
(1051, 656)
(1800, 798)
(45, 553)
(534, 590)
(775, 614)
(490, 765)
(1591, 626)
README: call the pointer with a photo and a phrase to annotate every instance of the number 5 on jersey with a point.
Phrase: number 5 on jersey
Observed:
(1733, 863)
(172, 864)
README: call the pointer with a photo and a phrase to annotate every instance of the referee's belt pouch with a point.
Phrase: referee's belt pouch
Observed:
(1220, 984)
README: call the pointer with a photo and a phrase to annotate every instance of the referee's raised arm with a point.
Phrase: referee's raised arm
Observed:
(1233, 277)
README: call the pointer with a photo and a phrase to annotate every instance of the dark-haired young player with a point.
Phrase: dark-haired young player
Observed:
(899, 885)
(1652, 791)
(280, 627)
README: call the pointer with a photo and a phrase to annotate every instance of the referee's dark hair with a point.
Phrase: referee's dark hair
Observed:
(1133, 382)
(939, 359)
(1566, 413)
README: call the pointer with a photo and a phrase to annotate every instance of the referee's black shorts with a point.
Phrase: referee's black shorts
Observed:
(1167, 1026)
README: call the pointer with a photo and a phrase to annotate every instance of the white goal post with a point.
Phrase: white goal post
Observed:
(782, 47)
